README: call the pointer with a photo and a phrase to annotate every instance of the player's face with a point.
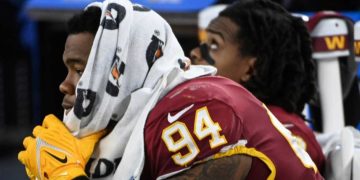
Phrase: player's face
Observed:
(76, 53)
(223, 48)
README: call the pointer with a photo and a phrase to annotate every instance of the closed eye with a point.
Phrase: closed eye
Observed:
(80, 72)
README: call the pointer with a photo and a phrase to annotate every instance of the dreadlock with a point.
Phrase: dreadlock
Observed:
(86, 21)
(284, 70)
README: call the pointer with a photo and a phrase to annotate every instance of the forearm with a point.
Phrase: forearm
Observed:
(233, 167)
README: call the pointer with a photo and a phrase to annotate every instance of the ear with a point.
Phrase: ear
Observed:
(250, 69)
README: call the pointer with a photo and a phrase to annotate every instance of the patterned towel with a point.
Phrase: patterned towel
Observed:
(134, 61)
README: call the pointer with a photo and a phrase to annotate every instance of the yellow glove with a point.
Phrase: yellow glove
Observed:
(56, 153)
(29, 174)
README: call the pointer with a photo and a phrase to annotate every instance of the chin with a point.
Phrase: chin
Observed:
(66, 111)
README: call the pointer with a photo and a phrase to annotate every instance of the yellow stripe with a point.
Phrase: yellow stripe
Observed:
(282, 130)
(251, 152)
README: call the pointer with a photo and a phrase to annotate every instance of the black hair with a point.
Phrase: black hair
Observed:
(284, 72)
(86, 21)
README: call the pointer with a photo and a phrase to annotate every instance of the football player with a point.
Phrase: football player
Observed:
(264, 48)
(177, 121)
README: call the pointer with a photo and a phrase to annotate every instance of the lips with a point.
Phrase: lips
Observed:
(67, 106)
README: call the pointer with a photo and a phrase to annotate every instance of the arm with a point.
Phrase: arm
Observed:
(233, 167)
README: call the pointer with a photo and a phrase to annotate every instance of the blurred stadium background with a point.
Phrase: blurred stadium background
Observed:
(32, 41)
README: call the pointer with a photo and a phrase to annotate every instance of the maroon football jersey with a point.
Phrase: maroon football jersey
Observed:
(212, 117)
(298, 128)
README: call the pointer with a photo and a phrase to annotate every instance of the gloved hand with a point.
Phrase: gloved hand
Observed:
(29, 174)
(56, 153)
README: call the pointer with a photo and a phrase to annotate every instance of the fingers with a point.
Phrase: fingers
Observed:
(29, 174)
(95, 136)
(88, 143)
(91, 140)
(51, 121)
(37, 130)
(23, 154)
(27, 141)
(22, 157)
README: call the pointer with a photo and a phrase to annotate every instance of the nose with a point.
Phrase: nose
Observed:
(67, 87)
(195, 56)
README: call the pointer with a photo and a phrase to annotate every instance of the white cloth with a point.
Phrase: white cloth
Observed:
(342, 151)
(118, 87)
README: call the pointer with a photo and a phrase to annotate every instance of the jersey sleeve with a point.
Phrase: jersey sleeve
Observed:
(190, 134)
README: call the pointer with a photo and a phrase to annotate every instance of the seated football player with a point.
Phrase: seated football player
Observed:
(163, 117)
(264, 48)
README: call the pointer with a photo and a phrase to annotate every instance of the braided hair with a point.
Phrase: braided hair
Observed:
(86, 21)
(284, 72)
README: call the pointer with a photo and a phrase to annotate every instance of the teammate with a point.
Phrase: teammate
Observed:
(164, 118)
(262, 47)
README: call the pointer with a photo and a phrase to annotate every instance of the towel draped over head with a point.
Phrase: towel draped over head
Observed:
(134, 61)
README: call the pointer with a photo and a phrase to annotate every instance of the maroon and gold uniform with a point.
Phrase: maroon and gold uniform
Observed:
(213, 117)
(305, 135)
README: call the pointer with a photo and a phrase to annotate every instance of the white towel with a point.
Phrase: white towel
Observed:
(134, 61)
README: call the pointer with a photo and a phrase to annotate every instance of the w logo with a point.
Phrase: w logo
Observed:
(330, 43)
(357, 47)
(335, 42)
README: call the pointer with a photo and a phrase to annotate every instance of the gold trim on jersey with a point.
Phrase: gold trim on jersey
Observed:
(294, 142)
(251, 152)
